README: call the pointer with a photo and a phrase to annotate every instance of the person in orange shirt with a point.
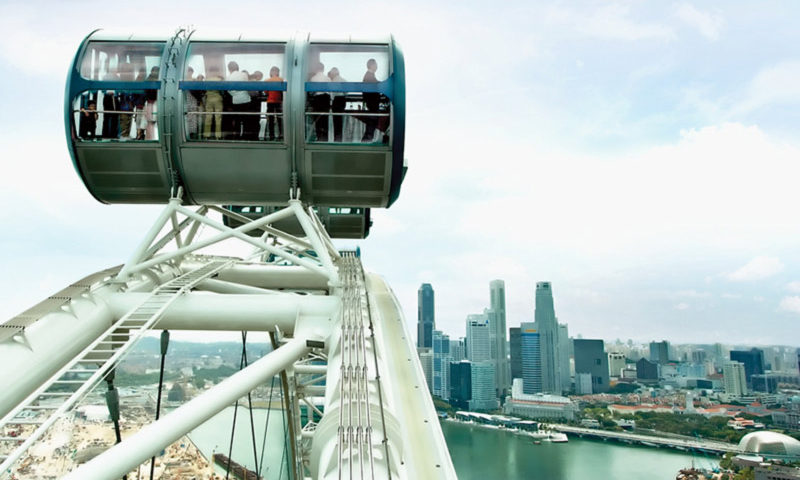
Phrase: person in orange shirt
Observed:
(275, 106)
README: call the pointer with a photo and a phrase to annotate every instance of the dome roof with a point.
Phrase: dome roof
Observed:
(770, 443)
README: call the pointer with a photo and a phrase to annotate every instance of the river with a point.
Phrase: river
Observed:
(477, 452)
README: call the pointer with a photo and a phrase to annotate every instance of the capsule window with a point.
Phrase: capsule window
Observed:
(115, 115)
(125, 62)
(253, 112)
(344, 103)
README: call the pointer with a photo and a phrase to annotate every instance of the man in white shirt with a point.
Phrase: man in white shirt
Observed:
(239, 99)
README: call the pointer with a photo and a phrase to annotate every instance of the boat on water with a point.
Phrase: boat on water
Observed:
(558, 437)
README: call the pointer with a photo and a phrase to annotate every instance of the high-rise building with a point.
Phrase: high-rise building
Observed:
(564, 354)
(458, 350)
(460, 383)
(497, 299)
(659, 352)
(531, 359)
(479, 345)
(426, 360)
(483, 393)
(591, 358)
(441, 365)
(616, 362)
(646, 370)
(515, 347)
(699, 356)
(733, 376)
(425, 318)
(753, 361)
(550, 345)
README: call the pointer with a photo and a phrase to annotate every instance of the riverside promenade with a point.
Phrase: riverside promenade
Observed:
(678, 443)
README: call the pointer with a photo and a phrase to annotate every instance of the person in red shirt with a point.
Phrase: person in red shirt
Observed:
(275, 106)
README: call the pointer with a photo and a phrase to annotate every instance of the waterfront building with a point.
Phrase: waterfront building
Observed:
(733, 376)
(460, 384)
(646, 370)
(426, 360)
(591, 359)
(753, 361)
(483, 393)
(531, 358)
(616, 362)
(425, 316)
(550, 345)
(539, 406)
(441, 364)
(659, 352)
(497, 298)
(515, 347)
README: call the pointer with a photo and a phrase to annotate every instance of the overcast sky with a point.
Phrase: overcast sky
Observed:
(642, 156)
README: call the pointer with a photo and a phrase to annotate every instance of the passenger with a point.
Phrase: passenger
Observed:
(252, 122)
(372, 101)
(192, 107)
(275, 106)
(110, 119)
(240, 99)
(88, 122)
(125, 102)
(320, 103)
(150, 106)
(139, 100)
(213, 103)
(337, 105)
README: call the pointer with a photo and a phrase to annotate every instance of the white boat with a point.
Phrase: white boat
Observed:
(557, 437)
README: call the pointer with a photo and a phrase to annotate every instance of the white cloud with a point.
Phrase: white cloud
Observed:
(709, 25)
(693, 294)
(790, 304)
(773, 85)
(682, 306)
(793, 287)
(756, 269)
(730, 296)
(611, 22)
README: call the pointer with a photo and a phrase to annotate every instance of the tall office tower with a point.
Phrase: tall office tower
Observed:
(460, 383)
(798, 360)
(733, 376)
(483, 394)
(497, 299)
(426, 360)
(753, 361)
(659, 352)
(564, 354)
(531, 358)
(616, 362)
(479, 347)
(699, 357)
(425, 320)
(515, 345)
(441, 364)
(458, 350)
(547, 327)
(591, 358)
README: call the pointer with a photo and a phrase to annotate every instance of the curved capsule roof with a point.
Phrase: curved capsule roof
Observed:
(238, 120)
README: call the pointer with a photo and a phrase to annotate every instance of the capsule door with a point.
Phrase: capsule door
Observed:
(234, 144)
(112, 115)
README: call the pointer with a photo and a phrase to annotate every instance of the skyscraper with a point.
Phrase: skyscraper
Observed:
(733, 376)
(497, 299)
(425, 320)
(753, 361)
(564, 353)
(515, 347)
(531, 358)
(591, 359)
(479, 347)
(441, 364)
(659, 352)
(549, 344)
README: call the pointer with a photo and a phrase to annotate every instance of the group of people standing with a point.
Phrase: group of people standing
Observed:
(127, 115)
(233, 114)
(336, 102)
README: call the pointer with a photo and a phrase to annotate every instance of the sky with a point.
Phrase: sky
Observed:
(641, 156)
